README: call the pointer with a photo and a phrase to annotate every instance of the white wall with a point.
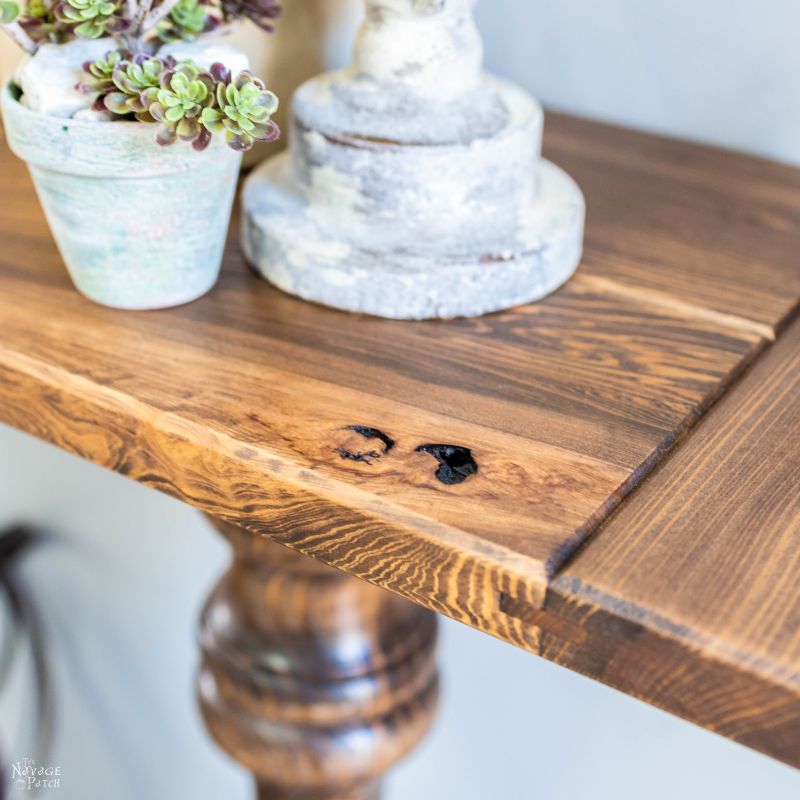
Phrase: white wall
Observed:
(123, 589)
(725, 71)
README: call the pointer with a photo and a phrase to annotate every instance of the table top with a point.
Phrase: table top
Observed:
(483, 467)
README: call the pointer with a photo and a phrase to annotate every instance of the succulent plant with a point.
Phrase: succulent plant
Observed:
(135, 82)
(242, 110)
(38, 9)
(188, 103)
(178, 104)
(91, 18)
(41, 23)
(139, 26)
(262, 12)
(98, 77)
(187, 20)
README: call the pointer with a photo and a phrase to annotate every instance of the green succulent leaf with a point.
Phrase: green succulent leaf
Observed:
(187, 20)
(212, 119)
(90, 29)
(117, 103)
(91, 18)
(9, 11)
(38, 9)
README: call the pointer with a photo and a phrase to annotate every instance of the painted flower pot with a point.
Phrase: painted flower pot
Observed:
(139, 226)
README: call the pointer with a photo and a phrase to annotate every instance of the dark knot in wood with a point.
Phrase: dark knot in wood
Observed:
(456, 464)
(373, 433)
(366, 456)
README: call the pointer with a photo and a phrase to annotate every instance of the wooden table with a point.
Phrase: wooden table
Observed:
(609, 478)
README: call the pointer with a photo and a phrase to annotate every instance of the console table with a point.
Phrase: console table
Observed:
(609, 478)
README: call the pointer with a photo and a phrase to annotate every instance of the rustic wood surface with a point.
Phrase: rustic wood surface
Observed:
(686, 224)
(701, 570)
(306, 424)
(315, 681)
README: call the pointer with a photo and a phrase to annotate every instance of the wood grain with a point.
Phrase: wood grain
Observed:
(264, 441)
(244, 403)
(317, 682)
(700, 571)
(701, 225)
(564, 405)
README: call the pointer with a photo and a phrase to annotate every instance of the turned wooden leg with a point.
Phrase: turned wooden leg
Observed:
(316, 681)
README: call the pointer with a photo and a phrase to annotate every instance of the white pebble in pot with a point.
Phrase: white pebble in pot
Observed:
(48, 78)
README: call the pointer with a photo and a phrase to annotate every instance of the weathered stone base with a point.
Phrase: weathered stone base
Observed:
(318, 258)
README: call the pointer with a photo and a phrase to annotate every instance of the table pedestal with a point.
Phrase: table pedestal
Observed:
(316, 681)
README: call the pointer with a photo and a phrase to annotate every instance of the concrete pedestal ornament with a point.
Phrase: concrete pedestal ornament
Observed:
(413, 186)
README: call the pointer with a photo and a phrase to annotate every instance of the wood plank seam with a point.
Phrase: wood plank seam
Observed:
(572, 545)
(674, 676)
(541, 620)
(559, 563)
(697, 574)
(665, 627)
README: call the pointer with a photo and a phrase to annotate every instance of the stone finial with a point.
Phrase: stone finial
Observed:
(430, 45)
(414, 185)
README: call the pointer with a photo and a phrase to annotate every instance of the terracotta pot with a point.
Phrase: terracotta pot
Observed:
(139, 226)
